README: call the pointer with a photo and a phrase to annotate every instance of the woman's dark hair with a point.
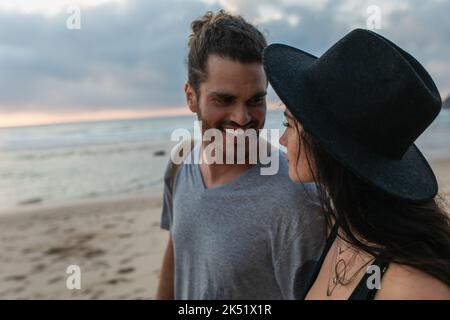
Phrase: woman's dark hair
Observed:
(409, 233)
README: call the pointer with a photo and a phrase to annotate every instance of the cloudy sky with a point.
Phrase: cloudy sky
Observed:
(128, 57)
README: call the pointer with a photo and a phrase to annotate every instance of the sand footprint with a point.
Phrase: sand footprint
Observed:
(116, 281)
(55, 280)
(17, 277)
(126, 270)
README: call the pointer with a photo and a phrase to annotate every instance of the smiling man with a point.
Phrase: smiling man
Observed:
(234, 233)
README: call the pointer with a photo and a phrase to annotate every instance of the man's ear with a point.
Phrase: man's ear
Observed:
(191, 97)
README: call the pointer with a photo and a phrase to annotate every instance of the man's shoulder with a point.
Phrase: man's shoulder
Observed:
(281, 174)
(291, 203)
(183, 155)
(281, 184)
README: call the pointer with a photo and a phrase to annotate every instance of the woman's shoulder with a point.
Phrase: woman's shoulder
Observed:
(402, 282)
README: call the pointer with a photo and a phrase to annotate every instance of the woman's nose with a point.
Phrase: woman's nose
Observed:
(283, 139)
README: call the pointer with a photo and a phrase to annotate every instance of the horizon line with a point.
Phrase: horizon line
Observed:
(48, 119)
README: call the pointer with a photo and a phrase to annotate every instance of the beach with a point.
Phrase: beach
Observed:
(116, 242)
(98, 97)
(90, 195)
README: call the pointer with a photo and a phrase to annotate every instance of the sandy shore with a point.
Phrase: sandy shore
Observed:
(116, 242)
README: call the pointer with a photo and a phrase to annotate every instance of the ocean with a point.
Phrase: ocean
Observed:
(64, 162)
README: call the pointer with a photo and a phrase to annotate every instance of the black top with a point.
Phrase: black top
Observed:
(361, 292)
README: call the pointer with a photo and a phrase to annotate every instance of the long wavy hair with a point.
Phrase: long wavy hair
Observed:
(416, 234)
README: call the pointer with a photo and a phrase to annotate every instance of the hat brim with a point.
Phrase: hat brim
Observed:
(409, 178)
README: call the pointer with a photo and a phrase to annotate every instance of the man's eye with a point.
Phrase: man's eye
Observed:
(256, 101)
(224, 101)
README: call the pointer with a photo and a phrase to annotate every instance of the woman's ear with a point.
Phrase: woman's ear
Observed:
(191, 98)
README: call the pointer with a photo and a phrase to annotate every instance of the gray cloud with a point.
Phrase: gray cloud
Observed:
(133, 56)
(120, 58)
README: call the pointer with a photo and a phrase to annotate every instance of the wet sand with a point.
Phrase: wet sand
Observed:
(116, 242)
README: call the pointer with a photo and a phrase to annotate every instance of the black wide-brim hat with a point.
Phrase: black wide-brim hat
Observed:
(365, 101)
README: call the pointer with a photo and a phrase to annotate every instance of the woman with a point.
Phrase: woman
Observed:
(352, 118)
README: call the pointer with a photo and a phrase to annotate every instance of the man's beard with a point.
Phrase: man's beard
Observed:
(228, 139)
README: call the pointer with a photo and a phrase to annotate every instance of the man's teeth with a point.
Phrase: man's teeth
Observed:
(235, 132)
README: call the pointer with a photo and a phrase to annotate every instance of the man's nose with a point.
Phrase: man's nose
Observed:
(241, 115)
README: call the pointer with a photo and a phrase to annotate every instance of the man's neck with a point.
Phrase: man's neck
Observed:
(215, 175)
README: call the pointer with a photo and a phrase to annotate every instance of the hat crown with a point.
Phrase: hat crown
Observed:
(375, 91)
(365, 101)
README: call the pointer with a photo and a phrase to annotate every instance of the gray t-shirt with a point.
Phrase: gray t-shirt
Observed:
(257, 237)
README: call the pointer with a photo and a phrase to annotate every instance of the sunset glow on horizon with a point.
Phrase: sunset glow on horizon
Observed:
(20, 119)
(42, 118)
